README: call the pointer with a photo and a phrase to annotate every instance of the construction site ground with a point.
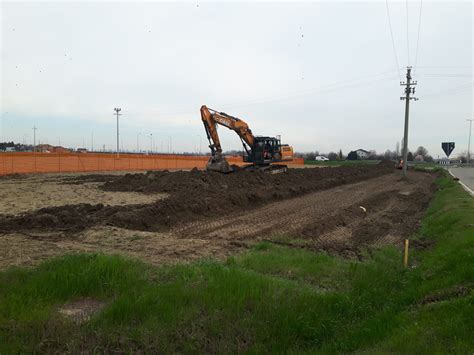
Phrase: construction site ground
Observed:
(161, 217)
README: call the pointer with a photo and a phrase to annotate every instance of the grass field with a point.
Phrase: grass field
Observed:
(271, 298)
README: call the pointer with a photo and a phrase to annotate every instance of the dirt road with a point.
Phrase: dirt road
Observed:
(338, 216)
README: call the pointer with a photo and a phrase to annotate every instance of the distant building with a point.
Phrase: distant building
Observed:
(362, 154)
(48, 148)
(81, 150)
(10, 149)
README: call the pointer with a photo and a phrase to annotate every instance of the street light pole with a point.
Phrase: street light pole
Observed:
(469, 141)
(117, 110)
(34, 138)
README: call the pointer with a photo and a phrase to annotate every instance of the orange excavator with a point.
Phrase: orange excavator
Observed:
(260, 152)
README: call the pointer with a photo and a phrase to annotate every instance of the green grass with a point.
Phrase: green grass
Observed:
(341, 162)
(272, 298)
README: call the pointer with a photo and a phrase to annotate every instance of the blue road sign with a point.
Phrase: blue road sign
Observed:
(448, 148)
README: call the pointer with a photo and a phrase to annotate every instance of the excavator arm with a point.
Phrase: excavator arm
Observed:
(211, 119)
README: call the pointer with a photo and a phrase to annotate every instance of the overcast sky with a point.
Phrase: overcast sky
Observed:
(321, 74)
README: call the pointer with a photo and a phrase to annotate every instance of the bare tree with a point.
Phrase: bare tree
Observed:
(388, 155)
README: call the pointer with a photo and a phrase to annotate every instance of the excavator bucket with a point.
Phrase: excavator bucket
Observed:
(218, 163)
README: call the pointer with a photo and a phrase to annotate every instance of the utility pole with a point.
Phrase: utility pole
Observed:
(408, 90)
(469, 141)
(117, 112)
(138, 143)
(92, 141)
(34, 138)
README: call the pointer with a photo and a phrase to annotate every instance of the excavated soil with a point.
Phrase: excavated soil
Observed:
(341, 210)
(192, 195)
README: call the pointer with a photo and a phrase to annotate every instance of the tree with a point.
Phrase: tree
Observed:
(332, 156)
(410, 156)
(340, 156)
(462, 157)
(397, 150)
(388, 155)
(310, 156)
(421, 151)
(352, 155)
(372, 155)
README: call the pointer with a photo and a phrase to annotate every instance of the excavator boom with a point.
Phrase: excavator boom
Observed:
(261, 151)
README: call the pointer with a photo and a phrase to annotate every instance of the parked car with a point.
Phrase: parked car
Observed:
(321, 158)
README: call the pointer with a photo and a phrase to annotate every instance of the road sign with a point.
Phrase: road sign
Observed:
(448, 148)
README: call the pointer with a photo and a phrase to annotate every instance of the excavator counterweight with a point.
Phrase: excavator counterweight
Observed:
(260, 152)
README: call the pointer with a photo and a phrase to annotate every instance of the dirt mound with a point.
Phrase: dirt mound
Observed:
(192, 195)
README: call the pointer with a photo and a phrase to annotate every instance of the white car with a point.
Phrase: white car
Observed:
(321, 158)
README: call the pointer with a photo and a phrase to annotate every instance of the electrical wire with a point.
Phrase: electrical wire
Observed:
(452, 91)
(393, 41)
(447, 67)
(418, 35)
(323, 89)
(408, 41)
(298, 96)
(346, 84)
(445, 75)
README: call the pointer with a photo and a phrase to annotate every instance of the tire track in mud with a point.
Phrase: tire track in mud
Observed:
(329, 219)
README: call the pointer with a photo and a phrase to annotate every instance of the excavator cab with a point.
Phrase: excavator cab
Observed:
(264, 151)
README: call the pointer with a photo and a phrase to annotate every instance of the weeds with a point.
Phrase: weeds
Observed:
(273, 298)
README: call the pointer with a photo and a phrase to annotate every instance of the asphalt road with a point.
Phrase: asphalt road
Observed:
(466, 175)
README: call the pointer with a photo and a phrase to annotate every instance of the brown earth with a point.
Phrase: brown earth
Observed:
(214, 215)
(192, 195)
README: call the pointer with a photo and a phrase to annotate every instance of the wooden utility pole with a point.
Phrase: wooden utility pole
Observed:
(408, 90)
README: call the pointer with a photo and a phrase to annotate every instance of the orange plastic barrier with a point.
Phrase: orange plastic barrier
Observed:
(13, 163)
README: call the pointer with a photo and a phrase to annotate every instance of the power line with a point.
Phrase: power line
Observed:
(324, 91)
(434, 75)
(418, 35)
(346, 84)
(408, 41)
(452, 91)
(393, 41)
(447, 67)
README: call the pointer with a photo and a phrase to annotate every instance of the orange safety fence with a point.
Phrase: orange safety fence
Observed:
(20, 163)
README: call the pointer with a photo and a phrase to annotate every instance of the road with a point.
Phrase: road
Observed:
(466, 175)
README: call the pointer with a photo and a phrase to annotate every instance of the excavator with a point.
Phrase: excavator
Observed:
(260, 152)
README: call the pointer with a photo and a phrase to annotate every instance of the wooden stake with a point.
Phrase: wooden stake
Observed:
(405, 259)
